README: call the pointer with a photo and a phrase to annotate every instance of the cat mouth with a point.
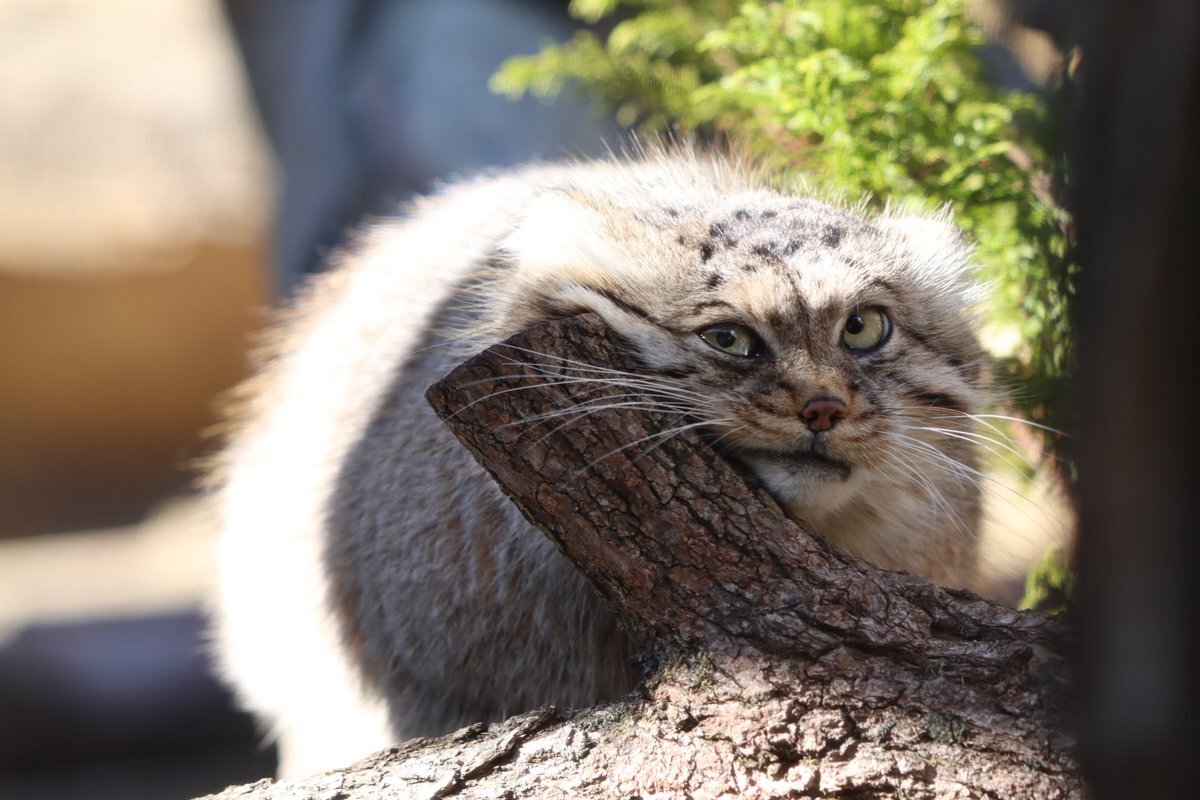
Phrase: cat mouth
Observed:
(817, 463)
(808, 462)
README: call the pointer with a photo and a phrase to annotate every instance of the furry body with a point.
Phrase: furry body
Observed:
(375, 583)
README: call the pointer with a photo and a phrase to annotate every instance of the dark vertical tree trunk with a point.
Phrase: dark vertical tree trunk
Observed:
(1135, 151)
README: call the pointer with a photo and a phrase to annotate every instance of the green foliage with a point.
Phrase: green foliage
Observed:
(881, 99)
(1050, 584)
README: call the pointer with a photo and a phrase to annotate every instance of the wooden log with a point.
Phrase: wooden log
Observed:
(778, 666)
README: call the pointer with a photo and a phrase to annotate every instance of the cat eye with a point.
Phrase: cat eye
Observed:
(732, 338)
(866, 329)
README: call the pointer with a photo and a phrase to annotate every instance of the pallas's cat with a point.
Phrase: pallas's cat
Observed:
(376, 585)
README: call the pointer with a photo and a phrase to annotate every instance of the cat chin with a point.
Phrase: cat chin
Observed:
(810, 486)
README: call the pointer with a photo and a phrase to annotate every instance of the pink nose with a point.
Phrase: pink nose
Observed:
(822, 413)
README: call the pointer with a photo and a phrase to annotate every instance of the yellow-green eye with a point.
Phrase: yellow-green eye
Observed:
(737, 340)
(866, 329)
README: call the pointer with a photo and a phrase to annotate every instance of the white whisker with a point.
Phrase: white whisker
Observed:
(986, 442)
(939, 499)
(659, 439)
(978, 477)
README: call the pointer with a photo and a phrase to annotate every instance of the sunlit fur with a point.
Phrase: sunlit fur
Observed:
(375, 583)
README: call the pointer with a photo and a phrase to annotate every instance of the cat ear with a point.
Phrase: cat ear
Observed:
(562, 231)
(927, 235)
(933, 246)
(580, 251)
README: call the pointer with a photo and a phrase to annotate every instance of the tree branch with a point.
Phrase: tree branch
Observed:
(783, 666)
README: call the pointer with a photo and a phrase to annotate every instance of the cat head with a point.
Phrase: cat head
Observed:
(821, 347)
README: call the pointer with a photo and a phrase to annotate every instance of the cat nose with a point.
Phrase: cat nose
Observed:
(822, 413)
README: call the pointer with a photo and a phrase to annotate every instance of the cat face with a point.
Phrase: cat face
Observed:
(832, 354)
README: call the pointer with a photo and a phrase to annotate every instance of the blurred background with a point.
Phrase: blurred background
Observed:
(168, 172)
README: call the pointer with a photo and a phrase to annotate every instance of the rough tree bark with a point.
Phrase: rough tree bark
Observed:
(778, 666)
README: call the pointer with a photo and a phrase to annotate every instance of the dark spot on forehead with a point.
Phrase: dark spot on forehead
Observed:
(741, 213)
(766, 250)
(706, 251)
(832, 235)
(769, 214)
(671, 212)
(749, 266)
(715, 280)
(718, 230)
(680, 239)
(792, 246)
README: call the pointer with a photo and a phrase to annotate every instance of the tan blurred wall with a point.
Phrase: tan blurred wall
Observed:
(109, 381)
(135, 194)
